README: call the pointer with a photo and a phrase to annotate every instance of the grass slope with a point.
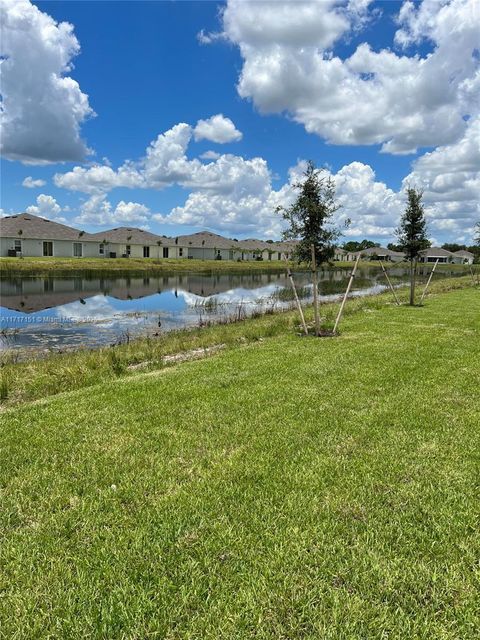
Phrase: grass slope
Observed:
(290, 488)
(65, 266)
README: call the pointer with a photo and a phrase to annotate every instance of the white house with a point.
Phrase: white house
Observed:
(432, 254)
(28, 235)
(131, 242)
(466, 257)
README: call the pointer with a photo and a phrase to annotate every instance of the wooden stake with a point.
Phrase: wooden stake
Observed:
(315, 291)
(413, 273)
(352, 276)
(428, 281)
(473, 276)
(390, 284)
(297, 299)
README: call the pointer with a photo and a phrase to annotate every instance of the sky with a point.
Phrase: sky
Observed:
(183, 116)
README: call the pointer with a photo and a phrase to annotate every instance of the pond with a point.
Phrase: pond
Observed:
(41, 314)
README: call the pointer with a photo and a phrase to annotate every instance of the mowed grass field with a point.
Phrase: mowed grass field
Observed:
(66, 266)
(288, 488)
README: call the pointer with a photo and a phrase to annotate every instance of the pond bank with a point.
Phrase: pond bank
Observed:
(67, 266)
(24, 381)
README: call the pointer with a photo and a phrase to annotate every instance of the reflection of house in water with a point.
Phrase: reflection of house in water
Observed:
(29, 295)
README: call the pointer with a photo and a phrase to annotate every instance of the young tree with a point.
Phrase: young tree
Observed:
(412, 233)
(352, 245)
(309, 217)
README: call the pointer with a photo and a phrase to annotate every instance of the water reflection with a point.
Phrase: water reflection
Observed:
(85, 310)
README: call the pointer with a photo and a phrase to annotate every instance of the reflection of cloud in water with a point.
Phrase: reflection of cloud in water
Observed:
(233, 296)
(98, 310)
(95, 308)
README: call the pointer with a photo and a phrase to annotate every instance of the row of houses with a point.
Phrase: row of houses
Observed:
(387, 255)
(32, 236)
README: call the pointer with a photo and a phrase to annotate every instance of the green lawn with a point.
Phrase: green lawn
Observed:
(64, 266)
(287, 488)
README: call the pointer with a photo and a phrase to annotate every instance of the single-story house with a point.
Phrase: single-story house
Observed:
(28, 235)
(205, 245)
(131, 242)
(432, 254)
(466, 257)
(340, 254)
(382, 253)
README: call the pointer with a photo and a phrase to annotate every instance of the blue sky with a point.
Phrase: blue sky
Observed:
(144, 69)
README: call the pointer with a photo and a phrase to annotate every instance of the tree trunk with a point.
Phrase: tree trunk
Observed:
(413, 272)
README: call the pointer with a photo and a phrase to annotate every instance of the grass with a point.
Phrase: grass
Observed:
(65, 266)
(10, 267)
(34, 379)
(284, 488)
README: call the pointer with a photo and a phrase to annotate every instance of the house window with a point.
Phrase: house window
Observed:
(146, 252)
(18, 246)
(180, 252)
(279, 256)
(77, 249)
(101, 249)
(128, 249)
(165, 252)
(48, 248)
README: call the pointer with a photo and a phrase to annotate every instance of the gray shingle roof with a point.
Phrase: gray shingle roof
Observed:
(131, 235)
(463, 254)
(435, 252)
(32, 226)
(207, 240)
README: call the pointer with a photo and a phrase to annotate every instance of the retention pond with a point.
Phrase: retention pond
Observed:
(44, 314)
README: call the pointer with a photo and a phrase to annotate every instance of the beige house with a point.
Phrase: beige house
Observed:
(131, 242)
(340, 254)
(28, 235)
(464, 257)
(206, 245)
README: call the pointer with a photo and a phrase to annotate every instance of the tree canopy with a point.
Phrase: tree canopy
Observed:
(310, 216)
(412, 231)
(353, 245)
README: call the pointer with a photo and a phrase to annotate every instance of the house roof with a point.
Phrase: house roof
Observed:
(27, 225)
(207, 240)
(435, 252)
(463, 254)
(378, 251)
(131, 235)
(251, 244)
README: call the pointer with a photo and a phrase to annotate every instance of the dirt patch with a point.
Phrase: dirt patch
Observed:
(184, 356)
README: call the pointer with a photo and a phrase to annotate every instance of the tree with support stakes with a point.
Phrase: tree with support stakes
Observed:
(309, 219)
(412, 234)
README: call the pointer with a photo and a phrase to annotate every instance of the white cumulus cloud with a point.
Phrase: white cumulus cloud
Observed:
(98, 211)
(42, 107)
(217, 129)
(450, 179)
(46, 207)
(371, 97)
(30, 183)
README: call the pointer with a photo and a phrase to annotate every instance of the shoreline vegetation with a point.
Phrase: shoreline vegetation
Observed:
(65, 266)
(11, 267)
(284, 487)
(23, 381)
